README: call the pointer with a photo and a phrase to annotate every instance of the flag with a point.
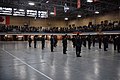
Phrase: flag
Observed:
(78, 4)
(5, 20)
(54, 11)
(95, 0)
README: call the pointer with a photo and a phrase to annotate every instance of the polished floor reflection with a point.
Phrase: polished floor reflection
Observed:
(19, 62)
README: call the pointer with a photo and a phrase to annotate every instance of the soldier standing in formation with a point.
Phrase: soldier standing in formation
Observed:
(78, 45)
(89, 42)
(100, 42)
(35, 41)
(52, 42)
(64, 41)
(115, 42)
(105, 43)
(43, 42)
(73, 41)
(118, 43)
(30, 41)
(93, 40)
(84, 41)
(55, 38)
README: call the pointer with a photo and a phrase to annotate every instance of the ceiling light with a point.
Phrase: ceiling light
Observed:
(119, 7)
(47, 1)
(90, 1)
(5, 35)
(52, 13)
(79, 16)
(97, 12)
(31, 3)
(66, 19)
(21, 10)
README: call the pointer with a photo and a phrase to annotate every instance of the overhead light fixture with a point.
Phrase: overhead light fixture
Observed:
(89, 1)
(21, 10)
(31, 3)
(79, 16)
(97, 12)
(119, 7)
(66, 19)
(52, 13)
(47, 1)
(6, 35)
(20, 36)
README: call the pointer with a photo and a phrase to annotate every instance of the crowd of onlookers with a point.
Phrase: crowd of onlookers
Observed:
(104, 26)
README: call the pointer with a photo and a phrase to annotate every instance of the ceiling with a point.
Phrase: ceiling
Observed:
(86, 9)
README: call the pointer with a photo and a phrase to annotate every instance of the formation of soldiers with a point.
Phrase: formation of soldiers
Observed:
(78, 41)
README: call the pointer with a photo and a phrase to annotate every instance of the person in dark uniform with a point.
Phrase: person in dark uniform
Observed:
(78, 45)
(35, 41)
(89, 41)
(105, 43)
(100, 41)
(55, 38)
(73, 41)
(64, 41)
(93, 40)
(43, 42)
(84, 41)
(115, 42)
(52, 42)
(30, 41)
(118, 43)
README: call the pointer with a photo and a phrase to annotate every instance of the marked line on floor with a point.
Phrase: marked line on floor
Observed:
(27, 64)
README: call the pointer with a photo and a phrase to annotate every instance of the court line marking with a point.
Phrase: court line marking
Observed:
(28, 65)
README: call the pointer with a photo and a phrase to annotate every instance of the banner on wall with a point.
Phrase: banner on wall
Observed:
(5, 20)
(54, 11)
(78, 4)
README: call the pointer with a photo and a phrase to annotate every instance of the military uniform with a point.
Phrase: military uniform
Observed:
(35, 41)
(64, 41)
(118, 44)
(52, 42)
(43, 42)
(100, 42)
(105, 43)
(78, 45)
(89, 42)
(30, 41)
